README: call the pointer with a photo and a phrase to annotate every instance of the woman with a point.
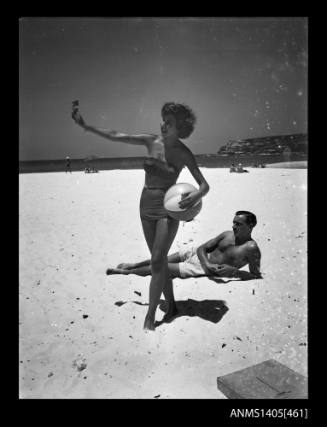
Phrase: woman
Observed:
(167, 156)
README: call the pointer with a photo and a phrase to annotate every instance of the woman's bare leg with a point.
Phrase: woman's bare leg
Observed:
(173, 271)
(143, 268)
(165, 233)
(149, 231)
(168, 292)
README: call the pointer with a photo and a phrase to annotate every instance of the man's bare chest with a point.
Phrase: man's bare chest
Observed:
(228, 252)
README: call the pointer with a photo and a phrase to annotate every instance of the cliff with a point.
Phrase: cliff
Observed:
(270, 145)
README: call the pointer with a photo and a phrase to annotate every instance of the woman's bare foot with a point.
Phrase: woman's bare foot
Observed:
(125, 266)
(149, 324)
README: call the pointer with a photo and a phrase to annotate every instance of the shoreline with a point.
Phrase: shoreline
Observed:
(136, 163)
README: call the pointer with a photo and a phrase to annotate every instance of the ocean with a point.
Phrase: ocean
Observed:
(105, 163)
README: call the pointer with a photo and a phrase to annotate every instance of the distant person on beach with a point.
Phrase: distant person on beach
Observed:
(166, 157)
(221, 256)
(68, 168)
(238, 169)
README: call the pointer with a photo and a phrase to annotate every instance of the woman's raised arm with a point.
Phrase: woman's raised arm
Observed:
(112, 135)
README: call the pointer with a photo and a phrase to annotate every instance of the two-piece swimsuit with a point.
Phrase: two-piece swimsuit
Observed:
(159, 176)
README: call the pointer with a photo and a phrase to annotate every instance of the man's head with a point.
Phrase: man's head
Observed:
(243, 223)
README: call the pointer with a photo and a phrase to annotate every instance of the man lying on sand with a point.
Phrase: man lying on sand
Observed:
(222, 256)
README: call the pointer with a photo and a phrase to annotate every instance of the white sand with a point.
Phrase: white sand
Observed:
(74, 226)
(301, 164)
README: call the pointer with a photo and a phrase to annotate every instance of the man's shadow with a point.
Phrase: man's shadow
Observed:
(210, 310)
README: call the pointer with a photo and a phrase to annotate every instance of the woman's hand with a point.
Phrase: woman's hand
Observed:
(189, 199)
(78, 119)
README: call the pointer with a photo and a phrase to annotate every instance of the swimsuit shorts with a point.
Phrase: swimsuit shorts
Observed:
(151, 204)
(190, 265)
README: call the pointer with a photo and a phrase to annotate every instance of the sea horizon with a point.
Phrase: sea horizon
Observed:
(112, 163)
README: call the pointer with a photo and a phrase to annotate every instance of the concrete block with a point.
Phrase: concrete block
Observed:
(266, 380)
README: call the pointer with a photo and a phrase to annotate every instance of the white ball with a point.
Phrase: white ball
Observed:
(176, 194)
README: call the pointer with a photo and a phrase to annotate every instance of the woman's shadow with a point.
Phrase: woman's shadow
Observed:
(211, 310)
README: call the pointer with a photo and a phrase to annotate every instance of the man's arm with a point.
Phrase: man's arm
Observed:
(245, 275)
(253, 257)
(203, 250)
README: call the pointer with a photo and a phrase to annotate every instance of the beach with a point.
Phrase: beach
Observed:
(81, 332)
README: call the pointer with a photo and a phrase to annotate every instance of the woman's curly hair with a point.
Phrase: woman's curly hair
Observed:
(185, 117)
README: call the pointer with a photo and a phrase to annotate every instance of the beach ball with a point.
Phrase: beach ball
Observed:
(174, 195)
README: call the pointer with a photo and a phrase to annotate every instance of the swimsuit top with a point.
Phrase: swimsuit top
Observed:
(158, 172)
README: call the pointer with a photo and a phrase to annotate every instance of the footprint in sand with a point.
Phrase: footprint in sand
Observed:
(80, 364)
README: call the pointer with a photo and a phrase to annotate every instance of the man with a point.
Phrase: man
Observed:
(222, 256)
(68, 168)
(232, 168)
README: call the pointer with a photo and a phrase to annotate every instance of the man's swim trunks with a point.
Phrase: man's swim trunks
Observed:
(190, 265)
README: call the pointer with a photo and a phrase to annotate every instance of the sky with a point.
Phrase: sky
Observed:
(243, 77)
